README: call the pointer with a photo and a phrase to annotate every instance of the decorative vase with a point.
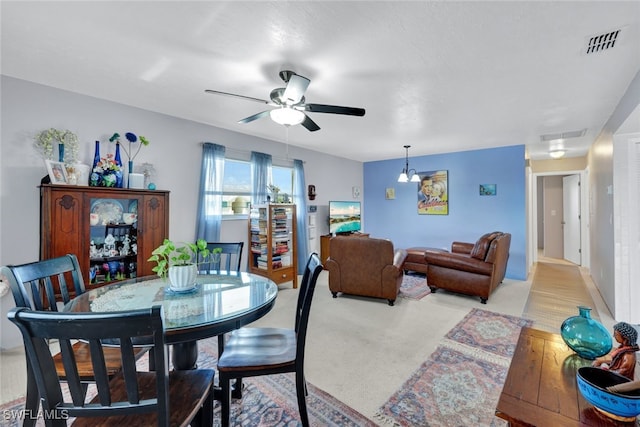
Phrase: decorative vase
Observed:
(82, 173)
(586, 336)
(94, 177)
(61, 152)
(118, 173)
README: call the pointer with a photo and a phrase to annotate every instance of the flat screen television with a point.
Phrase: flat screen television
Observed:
(344, 217)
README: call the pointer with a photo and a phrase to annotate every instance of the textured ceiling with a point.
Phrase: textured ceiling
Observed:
(439, 76)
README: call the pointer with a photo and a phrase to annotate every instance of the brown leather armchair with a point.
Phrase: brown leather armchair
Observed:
(471, 269)
(365, 266)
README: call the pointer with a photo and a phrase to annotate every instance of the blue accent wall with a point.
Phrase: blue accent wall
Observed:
(470, 215)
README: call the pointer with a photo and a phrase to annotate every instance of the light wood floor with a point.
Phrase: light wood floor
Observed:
(558, 287)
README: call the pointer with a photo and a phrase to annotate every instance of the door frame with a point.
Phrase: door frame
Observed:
(532, 248)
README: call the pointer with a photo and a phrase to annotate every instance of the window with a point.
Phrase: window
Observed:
(236, 185)
(282, 177)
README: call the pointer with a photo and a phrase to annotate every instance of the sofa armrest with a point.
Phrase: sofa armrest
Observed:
(399, 258)
(458, 262)
(462, 247)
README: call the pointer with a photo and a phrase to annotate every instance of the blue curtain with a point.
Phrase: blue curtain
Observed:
(209, 219)
(300, 199)
(260, 176)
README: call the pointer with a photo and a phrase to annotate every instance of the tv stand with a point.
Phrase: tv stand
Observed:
(324, 243)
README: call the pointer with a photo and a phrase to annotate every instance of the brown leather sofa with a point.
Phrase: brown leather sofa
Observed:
(365, 266)
(471, 269)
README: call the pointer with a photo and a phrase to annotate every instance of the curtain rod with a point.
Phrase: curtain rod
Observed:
(238, 151)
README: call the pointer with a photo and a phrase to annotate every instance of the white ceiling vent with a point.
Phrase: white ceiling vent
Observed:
(564, 135)
(601, 42)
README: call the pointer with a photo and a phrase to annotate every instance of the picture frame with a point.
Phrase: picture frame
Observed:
(488, 189)
(390, 193)
(57, 172)
(433, 192)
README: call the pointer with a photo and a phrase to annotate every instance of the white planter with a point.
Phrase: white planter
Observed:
(183, 277)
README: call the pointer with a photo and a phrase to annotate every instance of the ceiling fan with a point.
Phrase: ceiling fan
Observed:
(291, 104)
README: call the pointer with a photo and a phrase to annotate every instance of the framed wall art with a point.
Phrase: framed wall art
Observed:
(390, 193)
(433, 193)
(487, 189)
(57, 172)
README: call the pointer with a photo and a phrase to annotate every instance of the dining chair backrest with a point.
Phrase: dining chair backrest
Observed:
(133, 397)
(228, 260)
(307, 288)
(38, 285)
(303, 288)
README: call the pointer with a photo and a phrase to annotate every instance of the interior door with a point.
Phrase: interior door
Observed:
(571, 218)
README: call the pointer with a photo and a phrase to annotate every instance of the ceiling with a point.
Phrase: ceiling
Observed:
(439, 76)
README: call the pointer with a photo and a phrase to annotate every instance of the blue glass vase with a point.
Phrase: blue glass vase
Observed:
(586, 336)
(118, 161)
(94, 177)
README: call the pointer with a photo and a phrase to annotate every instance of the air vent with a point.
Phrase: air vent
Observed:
(564, 135)
(602, 42)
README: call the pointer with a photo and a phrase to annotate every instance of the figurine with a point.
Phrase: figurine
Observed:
(134, 248)
(93, 251)
(110, 246)
(621, 360)
(126, 246)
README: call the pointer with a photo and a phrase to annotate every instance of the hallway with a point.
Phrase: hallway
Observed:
(558, 287)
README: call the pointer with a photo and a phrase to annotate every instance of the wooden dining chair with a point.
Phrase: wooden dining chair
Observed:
(251, 352)
(41, 286)
(229, 259)
(131, 398)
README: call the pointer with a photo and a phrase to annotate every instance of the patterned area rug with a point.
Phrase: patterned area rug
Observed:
(414, 287)
(267, 401)
(491, 332)
(460, 383)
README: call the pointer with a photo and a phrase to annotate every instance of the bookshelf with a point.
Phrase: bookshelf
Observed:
(272, 242)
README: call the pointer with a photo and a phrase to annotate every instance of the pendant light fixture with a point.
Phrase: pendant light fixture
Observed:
(408, 175)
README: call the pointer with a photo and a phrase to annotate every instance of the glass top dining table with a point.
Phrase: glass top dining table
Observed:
(219, 303)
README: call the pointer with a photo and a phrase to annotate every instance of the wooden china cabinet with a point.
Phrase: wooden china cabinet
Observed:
(112, 231)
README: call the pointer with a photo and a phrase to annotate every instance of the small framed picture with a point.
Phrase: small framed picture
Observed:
(57, 172)
(390, 193)
(487, 189)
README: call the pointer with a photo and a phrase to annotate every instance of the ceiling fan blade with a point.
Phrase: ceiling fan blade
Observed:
(217, 92)
(310, 124)
(296, 87)
(334, 109)
(254, 117)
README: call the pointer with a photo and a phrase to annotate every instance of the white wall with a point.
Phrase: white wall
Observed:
(175, 151)
(605, 253)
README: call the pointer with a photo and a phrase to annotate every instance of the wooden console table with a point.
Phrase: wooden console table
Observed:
(324, 245)
(541, 388)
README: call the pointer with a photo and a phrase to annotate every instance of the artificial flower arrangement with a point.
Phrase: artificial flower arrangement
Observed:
(66, 141)
(132, 138)
(104, 172)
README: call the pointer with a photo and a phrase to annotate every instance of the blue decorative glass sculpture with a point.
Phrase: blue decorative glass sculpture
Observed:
(587, 337)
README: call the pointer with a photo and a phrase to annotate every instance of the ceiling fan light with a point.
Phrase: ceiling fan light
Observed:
(556, 154)
(403, 177)
(287, 116)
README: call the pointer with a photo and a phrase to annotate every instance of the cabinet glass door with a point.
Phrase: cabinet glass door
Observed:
(113, 248)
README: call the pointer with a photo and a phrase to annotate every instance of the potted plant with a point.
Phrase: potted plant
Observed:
(180, 261)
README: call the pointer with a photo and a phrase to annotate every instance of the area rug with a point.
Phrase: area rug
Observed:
(414, 287)
(491, 332)
(460, 383)
(267, 401)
